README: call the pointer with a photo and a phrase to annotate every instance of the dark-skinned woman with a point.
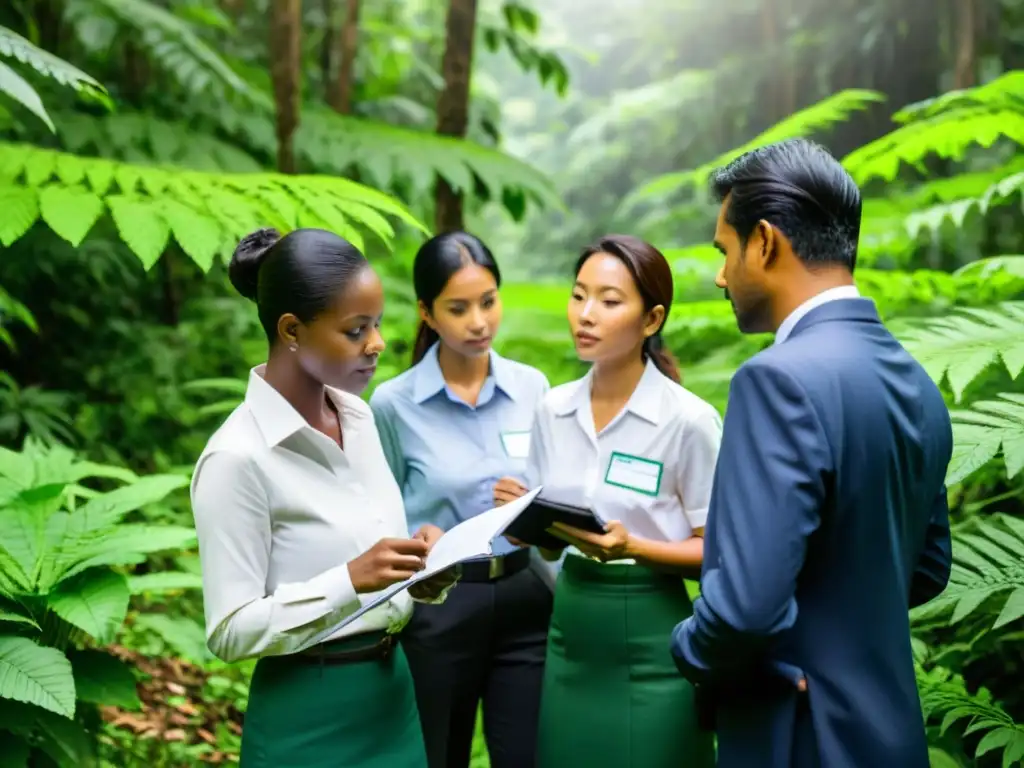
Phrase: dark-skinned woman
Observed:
(299, 521)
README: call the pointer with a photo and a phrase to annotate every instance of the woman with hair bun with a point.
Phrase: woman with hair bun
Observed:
(630, 443)
(300, 521)
(451, 425)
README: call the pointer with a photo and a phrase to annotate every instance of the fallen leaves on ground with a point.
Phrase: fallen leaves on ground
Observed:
(173, 708)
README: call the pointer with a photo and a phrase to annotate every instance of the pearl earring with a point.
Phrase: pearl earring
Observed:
(293, 348)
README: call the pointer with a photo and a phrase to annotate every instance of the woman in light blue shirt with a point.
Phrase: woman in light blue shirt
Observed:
(452, 425)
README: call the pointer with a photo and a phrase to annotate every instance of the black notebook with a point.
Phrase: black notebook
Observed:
(532, 523)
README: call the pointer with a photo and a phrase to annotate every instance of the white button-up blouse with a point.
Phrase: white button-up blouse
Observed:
(280, 510)
(651, 467)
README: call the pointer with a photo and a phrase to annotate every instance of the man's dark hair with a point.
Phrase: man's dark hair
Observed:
(803, 191)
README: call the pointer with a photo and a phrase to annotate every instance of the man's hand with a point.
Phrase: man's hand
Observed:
(508, 489)
(431, 589)
(429, 534)
(613, 545)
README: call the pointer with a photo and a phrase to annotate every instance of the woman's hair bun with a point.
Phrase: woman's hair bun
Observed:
(244, 269)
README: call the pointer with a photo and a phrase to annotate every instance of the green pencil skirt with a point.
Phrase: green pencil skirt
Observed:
(613, 697)
(306, 714)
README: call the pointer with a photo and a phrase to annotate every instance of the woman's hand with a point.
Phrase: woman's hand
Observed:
(508, 489)
(615, 544)
(432, 588)
(430, 534)
(387, 562)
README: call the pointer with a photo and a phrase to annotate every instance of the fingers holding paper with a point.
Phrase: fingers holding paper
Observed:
(508, 489)
(387, 562)
(614, 544)
(429, 534)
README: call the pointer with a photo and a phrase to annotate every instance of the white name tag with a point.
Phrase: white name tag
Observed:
(634, 473)
(517, 444)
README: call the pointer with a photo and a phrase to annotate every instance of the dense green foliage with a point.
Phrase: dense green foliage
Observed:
(121, 346)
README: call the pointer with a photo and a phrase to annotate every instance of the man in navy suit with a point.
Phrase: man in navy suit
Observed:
(828, 517)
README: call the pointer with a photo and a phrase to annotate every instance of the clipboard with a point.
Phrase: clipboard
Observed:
(531, 525)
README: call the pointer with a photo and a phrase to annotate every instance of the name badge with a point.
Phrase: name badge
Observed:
(634, 473)
(517, 444)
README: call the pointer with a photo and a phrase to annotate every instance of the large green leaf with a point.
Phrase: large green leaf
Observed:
(23, 524)
(95, 601)
(124, 545)
(14, 86)
(13, 617)
(205, 212)
(36, 675)
(103, 679)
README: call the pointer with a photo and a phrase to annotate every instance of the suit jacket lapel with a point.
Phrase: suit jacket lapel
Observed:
(848, 310)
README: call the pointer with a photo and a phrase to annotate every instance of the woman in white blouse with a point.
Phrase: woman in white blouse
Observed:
(628, 441)
(300, 521)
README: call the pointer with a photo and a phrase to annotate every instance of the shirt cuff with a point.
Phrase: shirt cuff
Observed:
(333, 587)
(697, 518)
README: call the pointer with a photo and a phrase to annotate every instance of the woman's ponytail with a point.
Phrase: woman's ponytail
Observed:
(425, 339)
(654, 348)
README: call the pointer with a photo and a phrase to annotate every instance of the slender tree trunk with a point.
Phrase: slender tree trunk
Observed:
(327, 47)
(340, 94)
(453, 103)
(285, 71)
(965, 65)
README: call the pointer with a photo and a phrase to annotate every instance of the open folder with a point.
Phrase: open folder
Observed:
(526, 518)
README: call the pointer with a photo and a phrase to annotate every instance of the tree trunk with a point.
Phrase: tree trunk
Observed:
(453, 103)
(964, 67)
(340, 94)
(285, 71)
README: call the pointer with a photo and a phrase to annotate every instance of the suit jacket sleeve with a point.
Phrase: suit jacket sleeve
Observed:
(769, 487)
(933, 567)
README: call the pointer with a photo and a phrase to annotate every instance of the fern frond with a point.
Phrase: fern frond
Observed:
(142, 138)
(981, 433)
(206, 213)
(959, 195)
(386, 153)
(815, 118)
(947, 128)
(961, 346)
(14, 46)
(943, 693)
(1002, 93)
(170, 42)
(988, 563)
(13, 311)
(985, 268)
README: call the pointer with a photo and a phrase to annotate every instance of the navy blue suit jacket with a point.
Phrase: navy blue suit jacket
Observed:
(828, 521)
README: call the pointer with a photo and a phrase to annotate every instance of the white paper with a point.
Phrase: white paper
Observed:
(469, 540)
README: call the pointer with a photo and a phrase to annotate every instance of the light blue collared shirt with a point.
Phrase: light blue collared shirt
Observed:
(447, 455)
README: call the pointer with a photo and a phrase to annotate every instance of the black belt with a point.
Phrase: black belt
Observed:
(379, 647)
(495, 568)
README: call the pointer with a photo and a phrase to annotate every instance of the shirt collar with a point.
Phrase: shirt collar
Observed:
(645, 401)
(430, 380)
(832, 294)
(276, 418)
